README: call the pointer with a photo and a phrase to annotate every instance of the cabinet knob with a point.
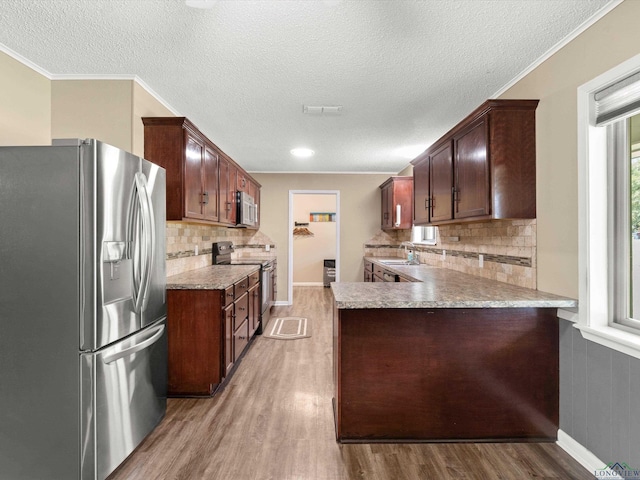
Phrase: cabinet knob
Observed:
(205, 198)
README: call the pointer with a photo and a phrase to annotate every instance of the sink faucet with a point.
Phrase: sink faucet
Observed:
(412, 256)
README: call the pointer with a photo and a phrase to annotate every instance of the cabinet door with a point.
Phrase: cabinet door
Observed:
(472, 194)
(193, 198)
(243, 184)
(210, 184)
(225, 193)
(257, 200)
(228, 339)
(441, 177)
(233, 176)
(386, 208)
(240, 340)
(402, 196)
(254, 308)
(421, 192)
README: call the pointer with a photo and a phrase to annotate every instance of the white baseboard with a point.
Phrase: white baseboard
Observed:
(308, 284)
(281, 303)
(583, 456)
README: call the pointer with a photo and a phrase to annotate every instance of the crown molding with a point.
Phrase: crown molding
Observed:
(25, 61)
(561, 44)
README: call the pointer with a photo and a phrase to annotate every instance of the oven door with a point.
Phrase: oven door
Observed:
(266, 294)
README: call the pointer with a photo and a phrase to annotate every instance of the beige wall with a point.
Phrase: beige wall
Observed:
(109, 110)
(359, 215)
(98, 109)
(612, 40)
(309, 252)
(25, 104)
(144, 105)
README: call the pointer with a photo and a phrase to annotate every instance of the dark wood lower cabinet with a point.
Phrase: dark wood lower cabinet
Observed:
(195, 334)
(208, 331)
(446, 374)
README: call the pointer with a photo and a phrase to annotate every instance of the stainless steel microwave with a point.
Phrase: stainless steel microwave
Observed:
(247, 215)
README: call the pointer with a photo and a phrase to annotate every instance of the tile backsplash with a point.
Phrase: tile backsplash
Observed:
(183, 239)
(508, 248)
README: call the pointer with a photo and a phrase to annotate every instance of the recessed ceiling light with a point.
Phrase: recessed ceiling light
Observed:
(302, 152)
(200, 3)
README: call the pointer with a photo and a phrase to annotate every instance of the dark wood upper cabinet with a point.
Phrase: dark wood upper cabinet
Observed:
(397, 197)
(472, 192)
(441, 175)
(433, 185)
(483, 168)
(227, 191)
(421, 193)
(202, 181)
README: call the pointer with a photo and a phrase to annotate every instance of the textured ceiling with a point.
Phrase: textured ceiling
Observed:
(405, 71)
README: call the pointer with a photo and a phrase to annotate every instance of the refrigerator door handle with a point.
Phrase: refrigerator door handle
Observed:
(112, 354)
(147, 245)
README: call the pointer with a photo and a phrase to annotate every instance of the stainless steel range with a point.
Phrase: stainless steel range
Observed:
(222, 256)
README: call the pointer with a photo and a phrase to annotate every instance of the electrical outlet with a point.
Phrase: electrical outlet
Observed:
(196, 250)
(481, 261)
(267, 247)
(444, 255)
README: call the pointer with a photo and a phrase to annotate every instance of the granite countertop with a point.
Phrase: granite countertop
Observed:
(440, 288)
(214, 277)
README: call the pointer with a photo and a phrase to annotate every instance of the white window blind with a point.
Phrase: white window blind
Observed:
(618, 100)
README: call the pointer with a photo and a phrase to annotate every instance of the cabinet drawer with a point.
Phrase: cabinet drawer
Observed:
(228, 296)
(242, 310)
(368, 266)
(241, 287)
(240, 339)
(254, 278)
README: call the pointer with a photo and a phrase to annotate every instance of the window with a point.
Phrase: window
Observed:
(623, 157)
(424, 235)
(609, 208)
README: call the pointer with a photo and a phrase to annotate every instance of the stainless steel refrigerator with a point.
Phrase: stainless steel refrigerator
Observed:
(83, 345)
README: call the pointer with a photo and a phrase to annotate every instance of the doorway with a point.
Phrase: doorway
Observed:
(314, 216)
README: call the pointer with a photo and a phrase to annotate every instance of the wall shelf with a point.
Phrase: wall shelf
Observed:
(322, 216)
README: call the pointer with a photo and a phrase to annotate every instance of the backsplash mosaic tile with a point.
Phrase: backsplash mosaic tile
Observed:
(184, 238)
(508, 248)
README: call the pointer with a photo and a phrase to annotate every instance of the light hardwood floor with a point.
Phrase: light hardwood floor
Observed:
(274, 421)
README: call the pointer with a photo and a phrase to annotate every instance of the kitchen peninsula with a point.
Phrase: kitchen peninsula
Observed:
(449, 357)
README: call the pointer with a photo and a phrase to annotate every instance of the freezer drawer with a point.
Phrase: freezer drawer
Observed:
(124, 394)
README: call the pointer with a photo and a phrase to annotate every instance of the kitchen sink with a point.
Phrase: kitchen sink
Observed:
(396, 262)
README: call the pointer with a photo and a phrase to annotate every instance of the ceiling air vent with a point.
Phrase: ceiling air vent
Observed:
(322, 110)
